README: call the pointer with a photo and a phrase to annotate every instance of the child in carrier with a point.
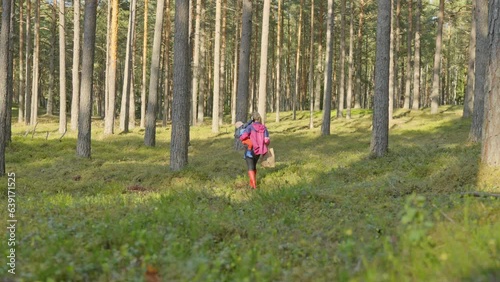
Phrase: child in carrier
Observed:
(247, 142)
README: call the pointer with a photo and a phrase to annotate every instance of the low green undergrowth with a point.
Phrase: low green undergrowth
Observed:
(326, 212)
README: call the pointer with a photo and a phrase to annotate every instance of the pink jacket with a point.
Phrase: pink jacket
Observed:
(258, 134)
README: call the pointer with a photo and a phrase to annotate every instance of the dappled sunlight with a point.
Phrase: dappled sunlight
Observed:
(488, 179)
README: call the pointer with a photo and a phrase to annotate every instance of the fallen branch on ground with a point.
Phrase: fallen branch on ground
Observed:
(480, 194)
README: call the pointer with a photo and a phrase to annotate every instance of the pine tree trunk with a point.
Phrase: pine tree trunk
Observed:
(166, 85)
(29, 63)
(416, 67)
(469, 92)
(244, 65)
(320, 61)
(263, 60)
(482, 49)
(297, 63)
(222, 91)
(237, 34)
(406, 104)
(52, 59)
(180, 106)
(341, 94)
(144, 64)
(359, 51)
(62, 68)
(108, 62)
(127, 72)
(109, 121)
(380, 133)
(437, 61)
(350, 78)
(311, 68)
(83, 147)
(10, 75)
(20, 117)
(325, 127)
(4, 92)
(253, 62)
(398, 85)
(203, 78)
(490, 153)
(393, 65)
(215, 109)
(131, 97)
(150, 134)
(36, 66)
(75, 97)
(196, 64)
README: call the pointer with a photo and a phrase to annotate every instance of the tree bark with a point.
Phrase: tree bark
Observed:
(311, 68)
(341, 94)
(406, 104)
(244, 66)
(297, 63)
(320, 61)
(180, 103)
(359, 67)
(83, 147)
(490, 150)
(222, 91)
(108, 61)
(29, 63)
(393, 64)
(254, 58)
(109, 121)
(52, 59)
(482, 49)
(196, 64)
(380, 132)
(263, 60)
(10, 75)
(144, 65)
(278, 64)
(131, 97)
(416, 67)
(350, 75)
(325, 127)
(36, 66)
(76, 67)
(20, 116)
(150, 134)
(469, 92)
(398, 85)
(4, 92)
(437, 61)
(215, 107)
(166, 85)
(62, 68)
(127, 72)
(203, 67)
(237, 34)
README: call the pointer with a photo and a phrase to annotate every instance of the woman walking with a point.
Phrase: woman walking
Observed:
(258, 135)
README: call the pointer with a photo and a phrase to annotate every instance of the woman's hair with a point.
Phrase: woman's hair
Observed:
(256, 117)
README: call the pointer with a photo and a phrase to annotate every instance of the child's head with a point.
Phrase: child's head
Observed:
(256, 117)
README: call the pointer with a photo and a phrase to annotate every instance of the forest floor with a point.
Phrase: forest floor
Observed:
(326, 212)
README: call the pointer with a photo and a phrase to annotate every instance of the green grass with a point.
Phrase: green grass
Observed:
(326, 212)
